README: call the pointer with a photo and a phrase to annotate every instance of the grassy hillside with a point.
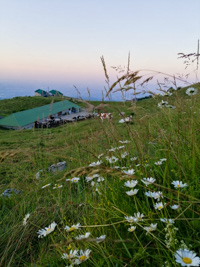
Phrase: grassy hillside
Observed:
(16, 104)
(162, 143)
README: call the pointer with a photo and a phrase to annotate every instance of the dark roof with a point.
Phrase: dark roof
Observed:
(55, 92)
(20, 119)
(40, 91)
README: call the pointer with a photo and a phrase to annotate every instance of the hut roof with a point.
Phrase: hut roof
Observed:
(22, 118)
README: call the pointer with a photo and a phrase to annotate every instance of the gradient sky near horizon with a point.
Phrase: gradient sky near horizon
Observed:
(58, 43)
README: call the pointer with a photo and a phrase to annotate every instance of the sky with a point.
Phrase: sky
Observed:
(56, 44)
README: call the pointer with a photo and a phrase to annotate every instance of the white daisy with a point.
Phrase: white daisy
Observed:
(191, 91)
(112, 149)
(120, 147)
(187, 258)
(100, 156)
(151, 228)
(155, 195)
(132, 192)
(88, 179)
(83, 256)
(124, 142)
(130, 219)
(112, 159)
(82, 237)
(132, 229)
(57, 186)
(138, 217)
(100, 238)
(26, 218)
(75, 180)
(45, 185)
(47, 230)
(72, 228)
(72, 254)
(129, 172)
(133, 159)
(93, 164)
(131, 184)
(165, 220)
(175, 207)
(124, 155)
(162, 104)
(148, 181)
(179, 184)
(159, 206)
(100, 179)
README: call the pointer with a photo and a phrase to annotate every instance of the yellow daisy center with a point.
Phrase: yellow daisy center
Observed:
(70, 256)
(186, 260)
(160, 207)
(82, 258)
(75, 180)
(178, 185)
(48, 230)
(72, 228)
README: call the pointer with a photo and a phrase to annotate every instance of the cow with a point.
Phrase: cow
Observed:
(103, 116)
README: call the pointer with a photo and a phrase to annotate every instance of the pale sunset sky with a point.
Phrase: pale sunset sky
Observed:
(58, 43)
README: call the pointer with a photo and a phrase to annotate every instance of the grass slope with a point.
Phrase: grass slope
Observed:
(101, 207)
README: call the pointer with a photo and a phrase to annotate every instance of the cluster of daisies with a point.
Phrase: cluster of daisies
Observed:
(190, 91)
(75, 257)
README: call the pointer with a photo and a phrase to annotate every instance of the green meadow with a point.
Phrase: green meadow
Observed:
(143, 222)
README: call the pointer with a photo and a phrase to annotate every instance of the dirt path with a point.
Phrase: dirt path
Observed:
(89, 107)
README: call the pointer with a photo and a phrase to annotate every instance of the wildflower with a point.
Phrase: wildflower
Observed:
(88, 179)
(187, 258)
(57, 186)
(82, 237)
(72, 228)
(129, 172)
(84, 255)
(151, 228)
(112, 159)
(120, 147)
(131, 183)
(124, 142)
(132, 229)
(137, 165)
(138, 217)
(72, 254)
(133, 159)
(130, 219)
(132, 192)
(179, 184)
(112, 149)
(124, 155)
(175, 207)
(162, 104)
(75, 180)
(26, 218)
(100, 179)
(191, 91)
(100, 156)
(148, 181)
(93, 164)
(45, 185)
(100, 238)
(47, 230)
(165, 220)
(155, 195)
(159, 206)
